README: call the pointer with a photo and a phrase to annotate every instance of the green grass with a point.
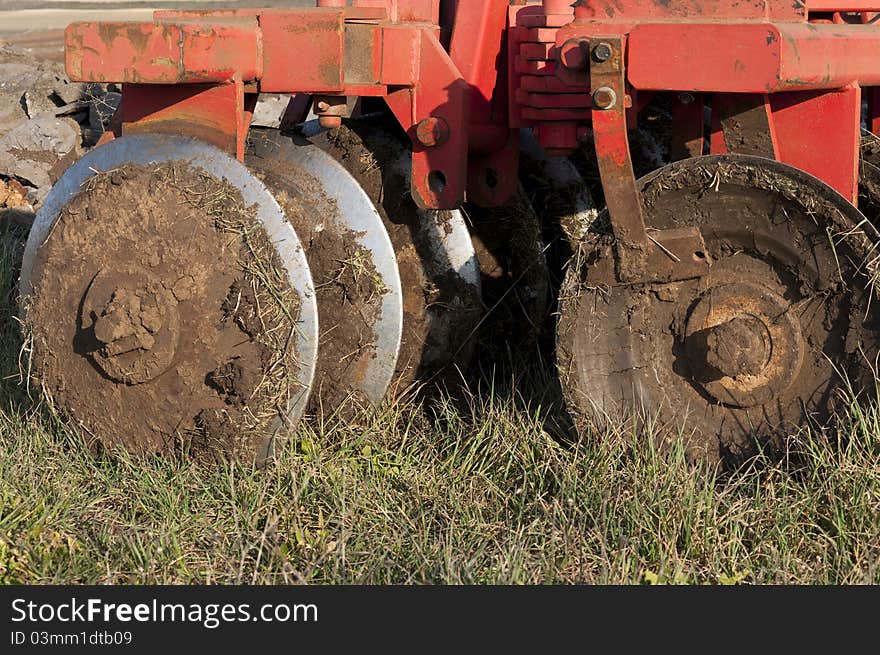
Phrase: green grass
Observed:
(474, 491)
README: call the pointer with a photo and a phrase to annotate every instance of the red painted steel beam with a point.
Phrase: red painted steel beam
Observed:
(302, 51)
(204, 52)
(752, 57)
(155, 53)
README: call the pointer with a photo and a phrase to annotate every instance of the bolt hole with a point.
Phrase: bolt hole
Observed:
(699, 255)
(491, 178)
(437, 181)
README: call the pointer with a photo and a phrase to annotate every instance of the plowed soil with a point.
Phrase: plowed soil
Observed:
(160, 317)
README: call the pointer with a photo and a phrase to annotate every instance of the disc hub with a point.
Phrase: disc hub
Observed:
(135, 324)
(744, 347)
(740, 346)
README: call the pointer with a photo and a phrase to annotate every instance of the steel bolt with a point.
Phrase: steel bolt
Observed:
(686, 98)
(602, 52)
(432, 132)
(323, 105)
(604, 97)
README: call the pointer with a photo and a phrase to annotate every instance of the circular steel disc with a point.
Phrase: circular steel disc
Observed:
(442, 298)
(147, 149)
(333, 200)
(751, 351)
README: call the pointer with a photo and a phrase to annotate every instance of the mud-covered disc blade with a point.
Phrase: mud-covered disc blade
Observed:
(753, 350)
(438, 267)
(168, 301)
(353, 266)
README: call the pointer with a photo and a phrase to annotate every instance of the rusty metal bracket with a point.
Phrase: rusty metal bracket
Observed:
(641, 257)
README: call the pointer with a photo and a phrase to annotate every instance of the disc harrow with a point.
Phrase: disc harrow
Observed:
(196, 283)
(359, 292)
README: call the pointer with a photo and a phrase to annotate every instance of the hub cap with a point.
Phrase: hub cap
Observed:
(743, 344)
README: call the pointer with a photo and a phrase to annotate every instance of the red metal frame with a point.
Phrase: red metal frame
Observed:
(808, 62)
(790, 74)
(383, 48)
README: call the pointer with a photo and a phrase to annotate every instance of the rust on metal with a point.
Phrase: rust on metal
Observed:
(615, 162)
(604, 98)
(666, 255)
(432, 131)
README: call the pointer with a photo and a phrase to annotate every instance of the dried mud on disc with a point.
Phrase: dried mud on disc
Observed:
(348, 289)
(757, 347)
(440, 308)
(161, 317)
